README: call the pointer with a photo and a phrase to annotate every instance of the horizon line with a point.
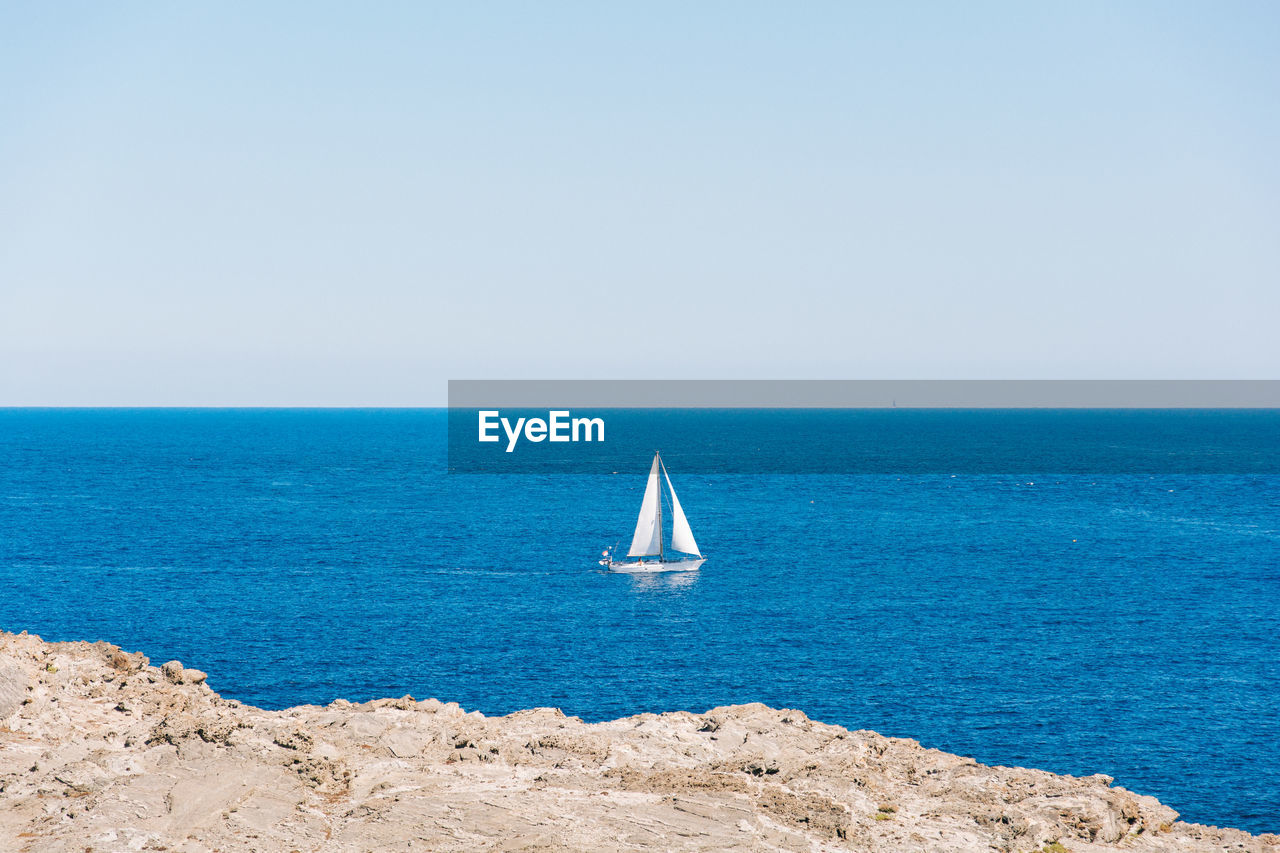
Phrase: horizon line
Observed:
(930, 406)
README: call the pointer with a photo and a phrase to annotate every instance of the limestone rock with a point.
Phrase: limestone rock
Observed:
(13, 687)
(122, 662)
(172, 671)
(94, 755)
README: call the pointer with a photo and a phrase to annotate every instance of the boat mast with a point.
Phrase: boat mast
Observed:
(662, 557)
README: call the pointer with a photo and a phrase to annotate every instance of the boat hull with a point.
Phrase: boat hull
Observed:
(654, 566)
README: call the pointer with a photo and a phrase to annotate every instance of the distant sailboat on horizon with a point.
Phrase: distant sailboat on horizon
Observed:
(648, 538)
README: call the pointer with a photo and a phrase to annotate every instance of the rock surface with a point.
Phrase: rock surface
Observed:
(101, 751)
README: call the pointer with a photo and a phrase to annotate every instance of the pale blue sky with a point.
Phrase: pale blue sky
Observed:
(352, 203)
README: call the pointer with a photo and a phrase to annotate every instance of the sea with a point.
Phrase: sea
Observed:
(1073, 613)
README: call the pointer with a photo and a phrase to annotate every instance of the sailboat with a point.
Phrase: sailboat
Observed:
(648, 539)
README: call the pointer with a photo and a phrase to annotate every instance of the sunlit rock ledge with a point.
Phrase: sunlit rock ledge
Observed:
(99, 750)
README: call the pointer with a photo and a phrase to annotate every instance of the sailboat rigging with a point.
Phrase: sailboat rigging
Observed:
(648, 538)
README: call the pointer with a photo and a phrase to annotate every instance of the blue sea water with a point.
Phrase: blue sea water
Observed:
(1108, 622)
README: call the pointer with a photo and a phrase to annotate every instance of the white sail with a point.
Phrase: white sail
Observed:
(648, 538)
(681, 535)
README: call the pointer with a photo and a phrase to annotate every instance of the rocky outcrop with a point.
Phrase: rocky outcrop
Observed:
(101, 751)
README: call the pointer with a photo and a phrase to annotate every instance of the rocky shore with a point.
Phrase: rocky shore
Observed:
(101, 751)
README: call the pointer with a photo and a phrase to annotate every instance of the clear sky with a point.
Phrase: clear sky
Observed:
(345, 204)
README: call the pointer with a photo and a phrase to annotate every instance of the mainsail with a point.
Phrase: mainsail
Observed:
(681, 535)
(648, 538)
